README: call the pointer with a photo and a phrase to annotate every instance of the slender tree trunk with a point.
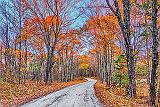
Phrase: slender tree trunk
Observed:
(148, 61)
(48, 67)
(155, 58)
(131, 73)
(20, 44)
(111, 58)
(99, 68)
(104, 68)
(108, 63)
(7, 59)
(25, 59)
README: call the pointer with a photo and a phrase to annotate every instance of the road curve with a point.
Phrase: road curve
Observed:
(79, 95)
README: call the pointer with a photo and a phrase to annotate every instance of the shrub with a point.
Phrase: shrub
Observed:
(120, 78)
(141, 70)
(1, 78)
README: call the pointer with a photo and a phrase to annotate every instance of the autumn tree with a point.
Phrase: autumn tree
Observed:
(52, 19)
(124, 23)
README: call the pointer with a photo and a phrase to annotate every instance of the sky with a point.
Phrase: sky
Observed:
(81, 20)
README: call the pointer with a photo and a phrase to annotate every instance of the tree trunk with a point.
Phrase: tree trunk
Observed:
(131, 72)
(148, 61)
(155, 60)
(49, 66)
(111, 61)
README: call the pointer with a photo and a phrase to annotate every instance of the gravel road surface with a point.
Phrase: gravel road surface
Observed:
(79, 95)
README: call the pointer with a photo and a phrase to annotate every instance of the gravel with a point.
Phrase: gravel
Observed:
(79, 95)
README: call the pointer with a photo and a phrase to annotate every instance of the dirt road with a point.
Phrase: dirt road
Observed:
(80, 95)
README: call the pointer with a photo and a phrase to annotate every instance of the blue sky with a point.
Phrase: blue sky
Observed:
(80, 21)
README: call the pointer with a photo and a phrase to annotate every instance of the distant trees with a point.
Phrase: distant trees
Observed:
(38, 38)
(101, 29)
